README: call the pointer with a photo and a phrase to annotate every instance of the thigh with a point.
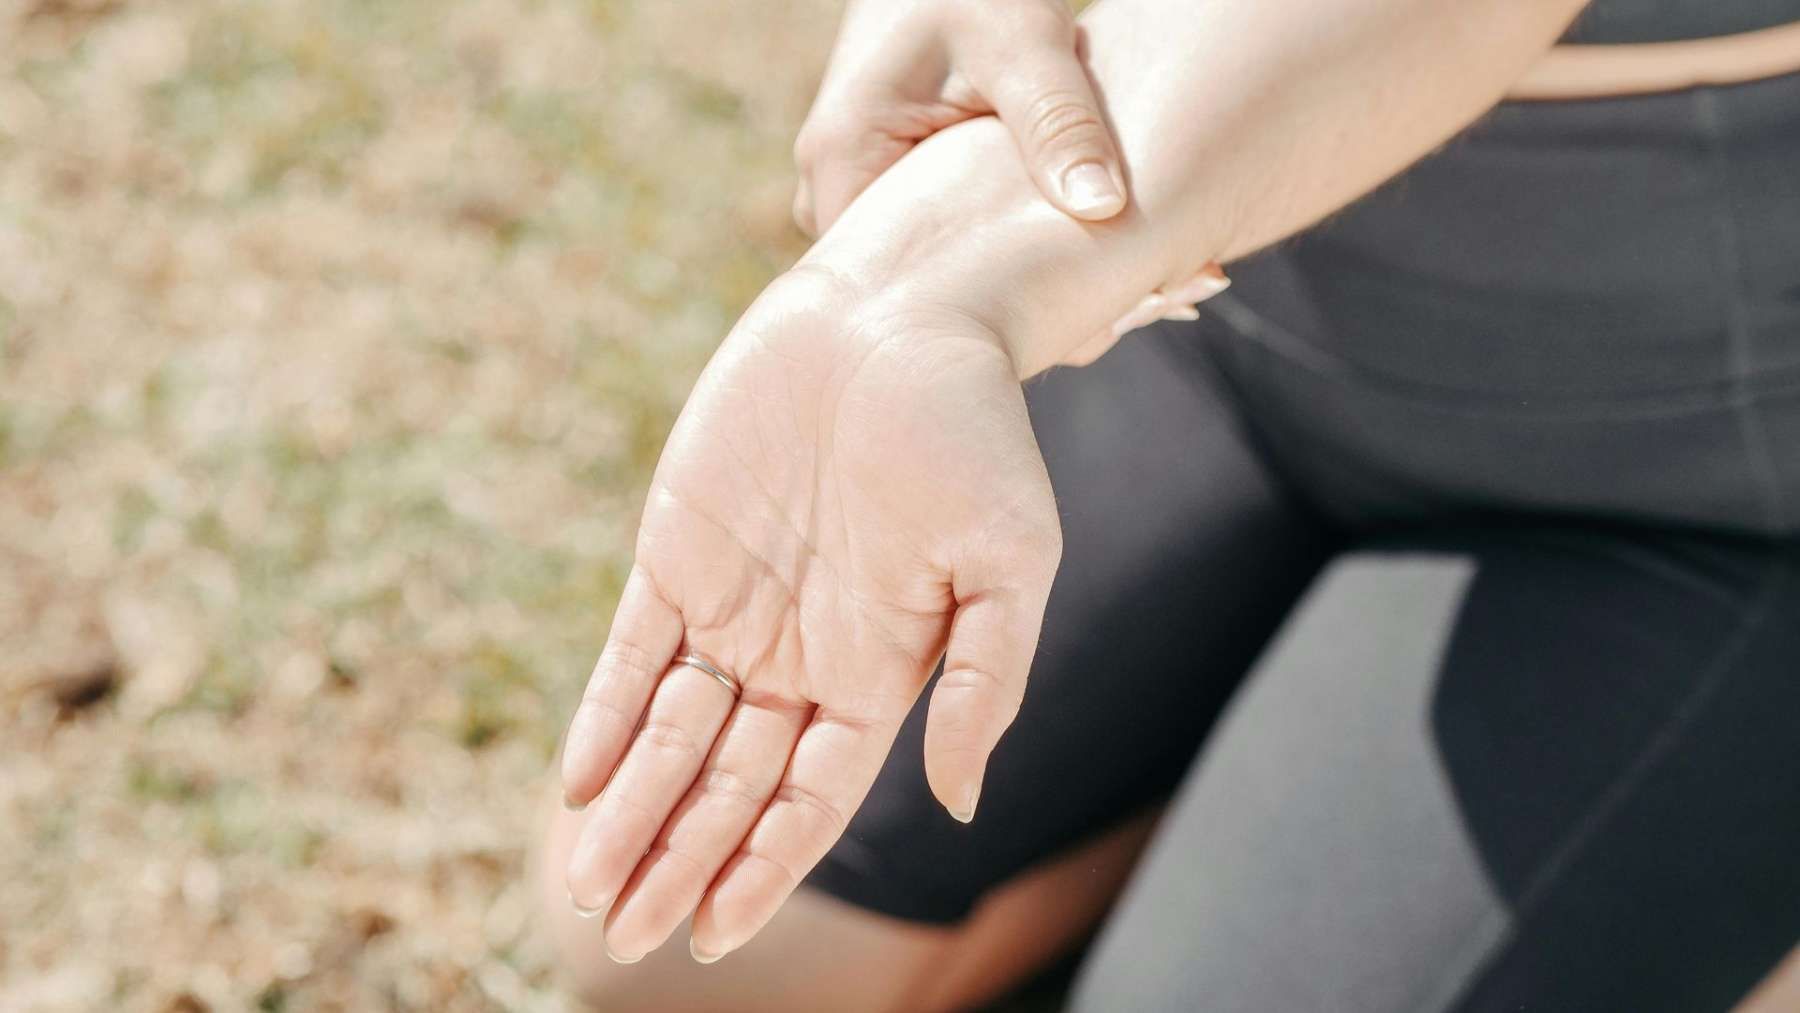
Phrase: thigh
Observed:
(1547, 769)
(1181, 553)
(1488, 333)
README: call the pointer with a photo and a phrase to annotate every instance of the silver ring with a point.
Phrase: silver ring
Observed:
(725, 678)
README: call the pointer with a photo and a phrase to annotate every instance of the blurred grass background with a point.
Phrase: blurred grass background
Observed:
(337, 341)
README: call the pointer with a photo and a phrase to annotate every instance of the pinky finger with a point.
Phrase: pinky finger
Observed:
(646, 632)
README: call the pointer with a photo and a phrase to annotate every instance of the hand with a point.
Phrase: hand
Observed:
(905, 69)
(852, 492)
(1171, 302)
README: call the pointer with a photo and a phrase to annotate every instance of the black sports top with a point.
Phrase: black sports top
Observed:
(1621, 21)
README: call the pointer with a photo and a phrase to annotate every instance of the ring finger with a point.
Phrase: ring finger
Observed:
(684, 717)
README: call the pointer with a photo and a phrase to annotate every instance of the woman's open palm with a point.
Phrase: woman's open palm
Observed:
(852, 493)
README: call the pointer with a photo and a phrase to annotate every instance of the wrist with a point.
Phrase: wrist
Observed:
(959, 225)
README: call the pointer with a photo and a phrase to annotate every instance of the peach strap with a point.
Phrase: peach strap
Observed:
(1572, 72)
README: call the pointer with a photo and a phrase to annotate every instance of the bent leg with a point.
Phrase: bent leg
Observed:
(1549, 768)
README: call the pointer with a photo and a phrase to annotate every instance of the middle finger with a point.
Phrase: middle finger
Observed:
(709, 824)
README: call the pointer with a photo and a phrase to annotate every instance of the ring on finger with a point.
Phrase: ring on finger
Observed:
(701, 663)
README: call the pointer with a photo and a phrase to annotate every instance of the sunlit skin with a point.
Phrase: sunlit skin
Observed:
(901, 72)
(853, 488)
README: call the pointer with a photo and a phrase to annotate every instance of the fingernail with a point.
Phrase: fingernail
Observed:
(1203, 286)
(623, 960)
(1147, 311)
(1210, 284)
(967, 813)
(1089, 190)
(701, 956)
(570, 805)
(586, 912)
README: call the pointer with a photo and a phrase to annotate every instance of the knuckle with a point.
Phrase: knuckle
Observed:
(826, 820)
(1051, 21)
(804, 217)
(1016, 26)
(803, 209)
(985, 682)
(667, 853)
(632, 818)
(789, 875)
(968, 677)
(805, 148)
(608, 712)
(819, 137)
(731, 788)
(624, 659)
(669, 738)
(966, 21)
(1059, 119)
(949, 755)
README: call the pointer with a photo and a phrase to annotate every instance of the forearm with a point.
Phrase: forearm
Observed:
(1241, 122)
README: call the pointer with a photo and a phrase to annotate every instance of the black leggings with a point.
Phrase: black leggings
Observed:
(1527, 424)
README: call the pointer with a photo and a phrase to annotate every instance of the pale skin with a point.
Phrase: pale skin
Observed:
(901, 72)
(818, 953)
(853, 490)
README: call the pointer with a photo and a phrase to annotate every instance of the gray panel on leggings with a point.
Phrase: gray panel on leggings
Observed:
(1314, 860)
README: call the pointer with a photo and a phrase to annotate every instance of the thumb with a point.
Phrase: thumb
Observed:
(992, 640)
(1045, 98)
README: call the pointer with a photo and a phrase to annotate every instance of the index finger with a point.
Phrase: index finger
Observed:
(646, 631)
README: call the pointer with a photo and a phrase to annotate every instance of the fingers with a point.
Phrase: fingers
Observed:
(1174, 302)
(838, 157)
(665, 754)
(1042, 94)
(645, 633)
(992, 640)
(1207, 282)
(833, 765)
(709, 824)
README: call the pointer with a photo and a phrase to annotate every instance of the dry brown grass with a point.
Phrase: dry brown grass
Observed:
(337, 338)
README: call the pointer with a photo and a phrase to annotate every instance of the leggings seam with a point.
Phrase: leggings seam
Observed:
(1741, 344)
(1723, 664)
